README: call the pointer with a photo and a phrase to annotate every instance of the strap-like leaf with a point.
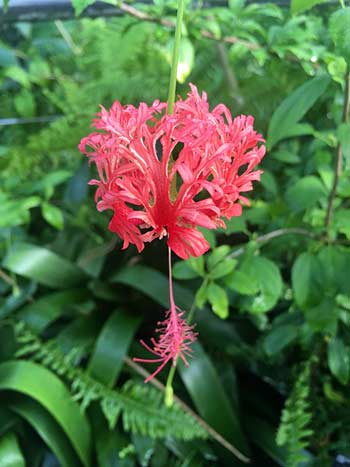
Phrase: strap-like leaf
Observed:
(43, 266)
(112, 346)
(44, 387)
(10, 452)
(46, 427)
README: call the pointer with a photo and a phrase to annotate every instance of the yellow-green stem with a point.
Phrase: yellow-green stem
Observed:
(175, 57)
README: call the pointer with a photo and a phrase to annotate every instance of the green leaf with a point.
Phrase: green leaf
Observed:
(52, 215)
(153, 284)
(223, 269)
(25, 103)
(218, 299)
(297, 6)
(279, 338)
(46, 428)
(294, 107)
(216, 411)
(217, 255)
(42, 265)
(243, 283)
(16, 212)
(19, 75)
(269, 280)
(44, 387)
(10, 452)
(197, 264)
(182, 270)
(305, 193)
(202, 295)
(111, 347)
(305, 272)
(339, 30)
(46, 309)
(341, 222)
(339, 359)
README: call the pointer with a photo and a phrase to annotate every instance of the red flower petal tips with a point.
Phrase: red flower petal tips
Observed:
(165, 175)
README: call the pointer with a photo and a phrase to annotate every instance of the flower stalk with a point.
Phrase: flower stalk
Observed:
(175, 56)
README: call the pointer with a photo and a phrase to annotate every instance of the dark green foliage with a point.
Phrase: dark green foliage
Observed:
(271, 297)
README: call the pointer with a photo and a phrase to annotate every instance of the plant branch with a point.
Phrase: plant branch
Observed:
(339, 153)
(275, 234)
(8, 279)
(213, 433)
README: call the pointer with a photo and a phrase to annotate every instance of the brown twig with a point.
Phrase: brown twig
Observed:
(213, 433)
(339, 153)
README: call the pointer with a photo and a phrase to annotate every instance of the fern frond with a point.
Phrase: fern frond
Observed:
(294, 431)
(141, 407)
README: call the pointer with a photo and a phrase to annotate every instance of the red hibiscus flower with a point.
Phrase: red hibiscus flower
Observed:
(166, 175)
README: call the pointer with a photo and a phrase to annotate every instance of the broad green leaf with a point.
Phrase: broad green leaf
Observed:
(45, 185)
(10, 452)
(339, 29)
(297, 6)
(339, 359)
(294, 107)
(197, 264)
(223, 269)
(341, 222)
(111, 347)
(153, 284)
(334, 261)
(201, 296)
(210, 398)
(218, 299)
(25, 103)
(7, 419)
(268, 278)
(217, 255)
(46, 309)
(182, 270)
(305, 273)
(279, 338)
(42, 265)
(286, 157)
(16, 212)
(46, 428)
(16, 300)
(19, 75)
(47, 389)
(305, 193)
(243, 283)
(323, 317)
(53, 215)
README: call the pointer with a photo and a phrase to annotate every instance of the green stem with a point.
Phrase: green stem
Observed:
(342, 4)
(175, 57)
